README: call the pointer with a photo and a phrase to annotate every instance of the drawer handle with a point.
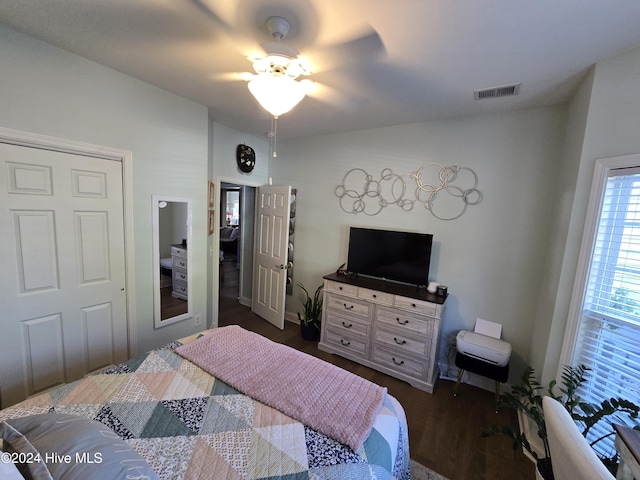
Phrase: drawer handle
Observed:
(401, 362)
(374, 296)
(401, 323)
(346, 344)
(339, 288)
(399, 342)
(413, 305)
(347, 307)
(344, 324)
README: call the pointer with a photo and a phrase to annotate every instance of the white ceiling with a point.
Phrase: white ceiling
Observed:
(433, 55)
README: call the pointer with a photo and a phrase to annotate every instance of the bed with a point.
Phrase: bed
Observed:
(174, 419)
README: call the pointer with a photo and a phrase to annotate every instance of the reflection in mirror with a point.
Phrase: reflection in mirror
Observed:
(171, 255)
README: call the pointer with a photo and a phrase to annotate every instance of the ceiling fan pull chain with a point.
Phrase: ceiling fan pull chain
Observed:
(274, 135)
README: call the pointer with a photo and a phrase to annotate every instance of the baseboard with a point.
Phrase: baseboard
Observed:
(292, 317)
(529, 429)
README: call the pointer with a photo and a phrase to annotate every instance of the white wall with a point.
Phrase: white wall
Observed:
(223, 142)
(555, 288)
(491, 257)
(48, 91)
(612, 128)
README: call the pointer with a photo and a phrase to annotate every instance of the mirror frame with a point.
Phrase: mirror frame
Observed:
(155, 229)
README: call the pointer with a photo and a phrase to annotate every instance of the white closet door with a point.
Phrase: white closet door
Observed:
(63, 277)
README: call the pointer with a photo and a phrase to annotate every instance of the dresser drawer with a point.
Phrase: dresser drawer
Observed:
(180, 288)
(417, 306)
(401, 343)
(410, 324)
(179, 263)
(348, 305)
(343, 288)
(348, 343)
(179, 276)
(375, 296)
(345, 325)
(181, 252)
(400, 363)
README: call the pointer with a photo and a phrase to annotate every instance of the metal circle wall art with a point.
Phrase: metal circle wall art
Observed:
(360, 192)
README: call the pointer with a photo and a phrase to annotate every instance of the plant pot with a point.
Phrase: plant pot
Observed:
(310, 332)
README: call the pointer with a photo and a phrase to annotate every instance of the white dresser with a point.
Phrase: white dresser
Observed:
(389, 327)
(179, 269)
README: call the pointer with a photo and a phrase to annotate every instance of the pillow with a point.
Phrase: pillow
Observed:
(71, 447)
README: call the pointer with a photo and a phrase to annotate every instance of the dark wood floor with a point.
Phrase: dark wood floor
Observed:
(444, 431)
(171, 306)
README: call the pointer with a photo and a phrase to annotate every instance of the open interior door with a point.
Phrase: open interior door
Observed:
(270, 253)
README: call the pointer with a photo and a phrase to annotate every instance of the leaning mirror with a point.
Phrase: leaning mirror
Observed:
(171, 259)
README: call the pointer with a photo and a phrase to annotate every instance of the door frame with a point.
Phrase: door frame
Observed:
(215, 267)
(45, 142)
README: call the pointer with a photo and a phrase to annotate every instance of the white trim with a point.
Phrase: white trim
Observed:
(236, 181)
(155, 214)
(44, 142)
(601, 172)
(215, 306)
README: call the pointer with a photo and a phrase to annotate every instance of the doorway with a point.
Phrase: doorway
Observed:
(237, 217)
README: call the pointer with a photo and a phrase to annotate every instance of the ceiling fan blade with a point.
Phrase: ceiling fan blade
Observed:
(366, 47)
(222, 17)
(334, 97)
(231, 76)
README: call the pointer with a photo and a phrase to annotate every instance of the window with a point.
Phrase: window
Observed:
(232, 204)
(607, 329)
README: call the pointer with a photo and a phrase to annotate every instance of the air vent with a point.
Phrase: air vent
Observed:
(495, 92)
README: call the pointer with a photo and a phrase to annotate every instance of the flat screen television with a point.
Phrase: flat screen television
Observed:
(390, 255)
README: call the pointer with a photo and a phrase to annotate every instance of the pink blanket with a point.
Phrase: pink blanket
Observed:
(325, 397)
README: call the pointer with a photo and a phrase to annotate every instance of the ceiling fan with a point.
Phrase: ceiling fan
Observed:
(262, 26)
(280, 78)
(275, 83)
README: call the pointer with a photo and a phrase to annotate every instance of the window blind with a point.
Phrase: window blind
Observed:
(609, 333)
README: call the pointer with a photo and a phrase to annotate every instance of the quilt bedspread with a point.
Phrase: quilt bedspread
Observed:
(189, 425)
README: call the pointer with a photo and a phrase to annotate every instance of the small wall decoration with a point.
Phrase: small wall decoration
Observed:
(245, 158)
(210, 221)
(210, 195)
(360, 192)
(292, 232)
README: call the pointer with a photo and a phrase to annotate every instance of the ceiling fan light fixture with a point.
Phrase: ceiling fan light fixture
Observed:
(280, 65)
(277, 95)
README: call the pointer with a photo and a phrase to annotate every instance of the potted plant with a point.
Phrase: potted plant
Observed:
(527, 400)
(311, 315)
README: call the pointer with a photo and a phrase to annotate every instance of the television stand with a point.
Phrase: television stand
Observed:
(392, 328)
